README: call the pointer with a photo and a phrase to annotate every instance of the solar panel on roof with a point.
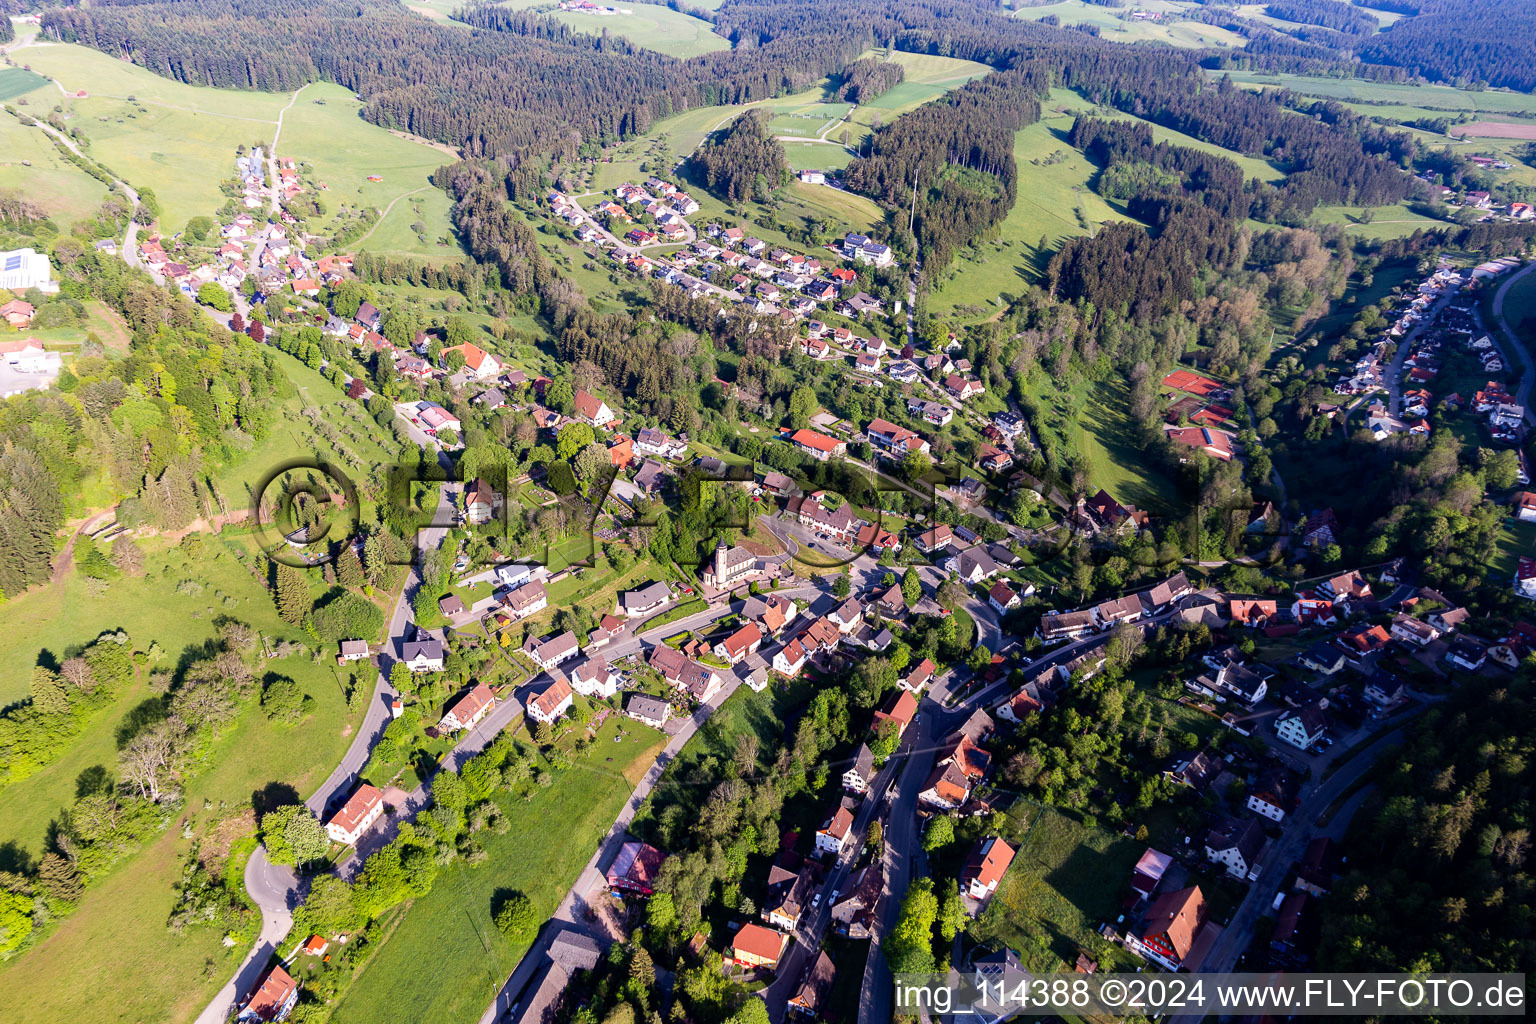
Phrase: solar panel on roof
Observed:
(13, 261)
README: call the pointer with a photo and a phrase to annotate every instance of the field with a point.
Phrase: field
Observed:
(67, 193)
(1430, 97)
(16, 82)
(1120, 29)
(114, 958)
(1496, 130)
(180, 141)
(1384, 221)
(448, 936)
(652, 26)
(1513, 541)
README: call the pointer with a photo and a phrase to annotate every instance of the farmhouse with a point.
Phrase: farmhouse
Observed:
(551, 651)
(361, 810)
(593, 410)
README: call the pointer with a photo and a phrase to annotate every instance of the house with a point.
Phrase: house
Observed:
(361, 810)
(877, 539)
(1169, 928)
(779, 485)
(1449, 618)
(1002, 598)
(757, 946)
(635, 869)
(273, 1000)
(1324, 658)
(790, 659)
(594, 677)
(480, 501)
(1274, 793)
(935, 540)
(352, 650)
(1525, 577)
(634, 603)
(839, 522)
(700, 681)
(1236, 843)
(551, 651)
(1320, 529)
(1108, 614)
(1384, 689)
(526, 600)
(1346, 586)
(468, 710)
(833, 835)
(947, 787)
(1165, 593)
(650, 477)
(1065, 625)
(17, 313)
(739, 644)
(450, 605)
(1027, 701)
(857, 778)
(621, 451)
(853, 913)
(434, 419)
(1196, 772)
(902, 709)
(1149, 872)
(816, 986)
(1251, 613)
(1303, 727)
(593, 410)
(972, 565)
(653, 711)
(650, 441)
(422, 655)
(847, 616)
(894, 441)
(1466, 654)
(1215, 443)
(962, 388)
(818, 446)
(552, 701)
(478, 363)
(1413, 631)
(985, 868)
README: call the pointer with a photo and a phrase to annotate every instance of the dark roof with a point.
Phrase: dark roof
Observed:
(646, 706)
(575, 950)
(1241, 834)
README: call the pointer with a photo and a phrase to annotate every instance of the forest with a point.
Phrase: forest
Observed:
(744, 161)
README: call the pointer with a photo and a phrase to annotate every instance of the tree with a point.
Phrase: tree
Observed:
(941, 832)
(349, 569)
(345, 615)
(841, 585)
(875, 842)
(59, 879)
(952, 916)
(214, 295)
(148, 762)
(909, 947)
(331, 906)
(48, 693)
(283, 700)
(291, 593)
(127, 556)
(15, 920)
(802, 405)
(306, 837)
(574, 436)
(885, 742)
(911, 586)
(515, 917)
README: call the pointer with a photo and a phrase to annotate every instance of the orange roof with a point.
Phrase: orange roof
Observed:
(316, 945)
(357, 808)
(757, 941)
(902, 711)
(989, 862)
(811, 439)
(472, 703)
(1176, 915)
(474, 355)
(275, 989)
(552, 697)
(743, 638)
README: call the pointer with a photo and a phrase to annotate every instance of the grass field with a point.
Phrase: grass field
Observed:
(652, 26)
(67, 193)
(448, 936)
(180, 141)
(1064, 881)
(16, 82)
(114, 959)
(1385, 221)
(1122, 29)
(1431, 97)
(1515, 540)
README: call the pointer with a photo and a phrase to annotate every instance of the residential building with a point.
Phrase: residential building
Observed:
(594, 677)
(526, 600)
(985, 868)
(1466, 654)
(1384, 689)
(1413, 631)
(1274, 793)
(903, 707)
(635, 869)
(935, 540)
(593, 410)
(273, 1000)
(790, 659)
(972, 565)
(1065, 625)
(1235, 843)
(649, 598)
(833, 835)
(352, 650)
(469, 709)
(550, 651)
(810, 999)
(422, 655)
(790, 894)
(853, 913)
(757, 946)
(859, 774)
(480, 501)
(1303, 727)
(739, 644)
(893, 441)
(1169, 929)
(552, 701)
(818, 446)
(361, 810)
(653, 711)
(478, 363)
(920, 676)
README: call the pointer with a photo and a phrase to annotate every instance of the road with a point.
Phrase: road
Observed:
(1394, 375)
(1281, 854)
(275, 888)
(1528, 374)
(630, 250)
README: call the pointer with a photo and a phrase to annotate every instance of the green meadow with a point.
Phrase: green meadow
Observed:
(1116, 24)
(652, 26)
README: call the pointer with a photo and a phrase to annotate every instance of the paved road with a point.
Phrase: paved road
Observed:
(276, 889)
(1528, 374)
(1394, 376)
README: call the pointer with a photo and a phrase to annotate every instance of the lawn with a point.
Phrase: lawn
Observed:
(63, 190)
(652, 26)
(1116, 25)
(1514, 540)
(114, 959)
(18, 82)
(448, 936)
(816, 156)
(323, 128)
(1429, 97)
(1054, 202)
(178, 140)
(1065, 880)
(1381, 222)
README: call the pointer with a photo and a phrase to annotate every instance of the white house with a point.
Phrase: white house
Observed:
(595, 678)
(21, 269)
(360, 811)
(469, 709)
(552, 702)
(833, 836)
(1235, 843)
(424, 655)
(550, 652)
(1303, 727)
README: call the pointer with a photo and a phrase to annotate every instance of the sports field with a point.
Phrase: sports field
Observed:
(652, 26)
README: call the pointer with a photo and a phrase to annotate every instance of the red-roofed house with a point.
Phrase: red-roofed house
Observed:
(635, 869)
(480, 363)
(818, 446)
(593, 409)
(985, 868)
(273, 999)
(757, 946)
(470, 708)
(902, 710)
(360, 811)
